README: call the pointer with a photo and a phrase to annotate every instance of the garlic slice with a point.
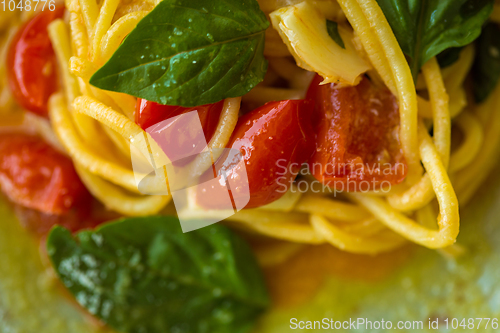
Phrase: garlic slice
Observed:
(303, 29)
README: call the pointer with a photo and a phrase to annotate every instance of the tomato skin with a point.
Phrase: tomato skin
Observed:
(274, 141)
(179, 138)
(87, 215)
(31, 63)
(40, 223)
(150, 113)
(357, 145)
(35, 175)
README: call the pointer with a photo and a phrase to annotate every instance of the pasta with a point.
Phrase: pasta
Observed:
(96, 128)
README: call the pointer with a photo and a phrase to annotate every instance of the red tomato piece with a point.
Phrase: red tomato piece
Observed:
(88, 215)
(31, 63)
(181, 141)
(35, 175)
(150, 113)
(274, 141)
(357, 145)
(40, 223)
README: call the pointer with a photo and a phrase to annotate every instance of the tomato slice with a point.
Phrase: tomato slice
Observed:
(150, 113)
(31, 63)
(35, 175)
(178, 138)
(357, 145)
(40, 223)
(87, 215)
(274, 141)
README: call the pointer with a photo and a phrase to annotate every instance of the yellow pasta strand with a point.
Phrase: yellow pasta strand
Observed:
(115, 198)
(82, 154)
(332, 209)
(118, 31)
(102, 25)
(225, 126)
(90, 12)
(286, 226)
(107, 116)
(79, 36)
(130, 131)
(355, 244)
(472, 141)
(454, 75)
(422, 193)
(384, 52)
(60, 41)
(367, 227)
(427, 218)
(448, 205)
(468, 180)
(276, 252)
(439, 103)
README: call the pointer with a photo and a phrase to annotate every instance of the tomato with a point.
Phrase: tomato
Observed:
(35, 175)
(357, 145)
(179, 138)
(150, 113)
(40, 223)
(87, 215)
(31, 63)
(274, 141)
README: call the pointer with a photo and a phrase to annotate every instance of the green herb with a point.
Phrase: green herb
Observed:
(333, 31)
(449, 56)
(145, 275)
(486, 70)
(425, 28)
(190, 52)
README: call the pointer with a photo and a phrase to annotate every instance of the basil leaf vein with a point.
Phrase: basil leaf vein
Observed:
(425, 28)
(189, 53)
(145, 275)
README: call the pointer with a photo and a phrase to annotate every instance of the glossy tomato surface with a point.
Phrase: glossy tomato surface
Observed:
(274, 141)
(150, 113)
(31, 63)
(86, 215)
(357, 143)
(35, 175)
(179, 137)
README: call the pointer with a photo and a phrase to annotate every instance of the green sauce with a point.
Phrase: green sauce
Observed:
(428, 286)
(30, 299)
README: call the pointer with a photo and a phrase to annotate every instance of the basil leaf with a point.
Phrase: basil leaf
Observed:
(449, 56)
(190, 52)
(425, 28)
(145, 275)
(333, 30)
(486, 69)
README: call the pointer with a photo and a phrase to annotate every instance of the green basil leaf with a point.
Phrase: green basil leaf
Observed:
(449, 56)
(333, 30)
(190, 52)
(425, 28)
(486, 69)
(145, 275)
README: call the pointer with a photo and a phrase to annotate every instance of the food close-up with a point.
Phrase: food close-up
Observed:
(233, 166)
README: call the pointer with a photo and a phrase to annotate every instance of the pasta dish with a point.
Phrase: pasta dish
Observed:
(362, 124)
